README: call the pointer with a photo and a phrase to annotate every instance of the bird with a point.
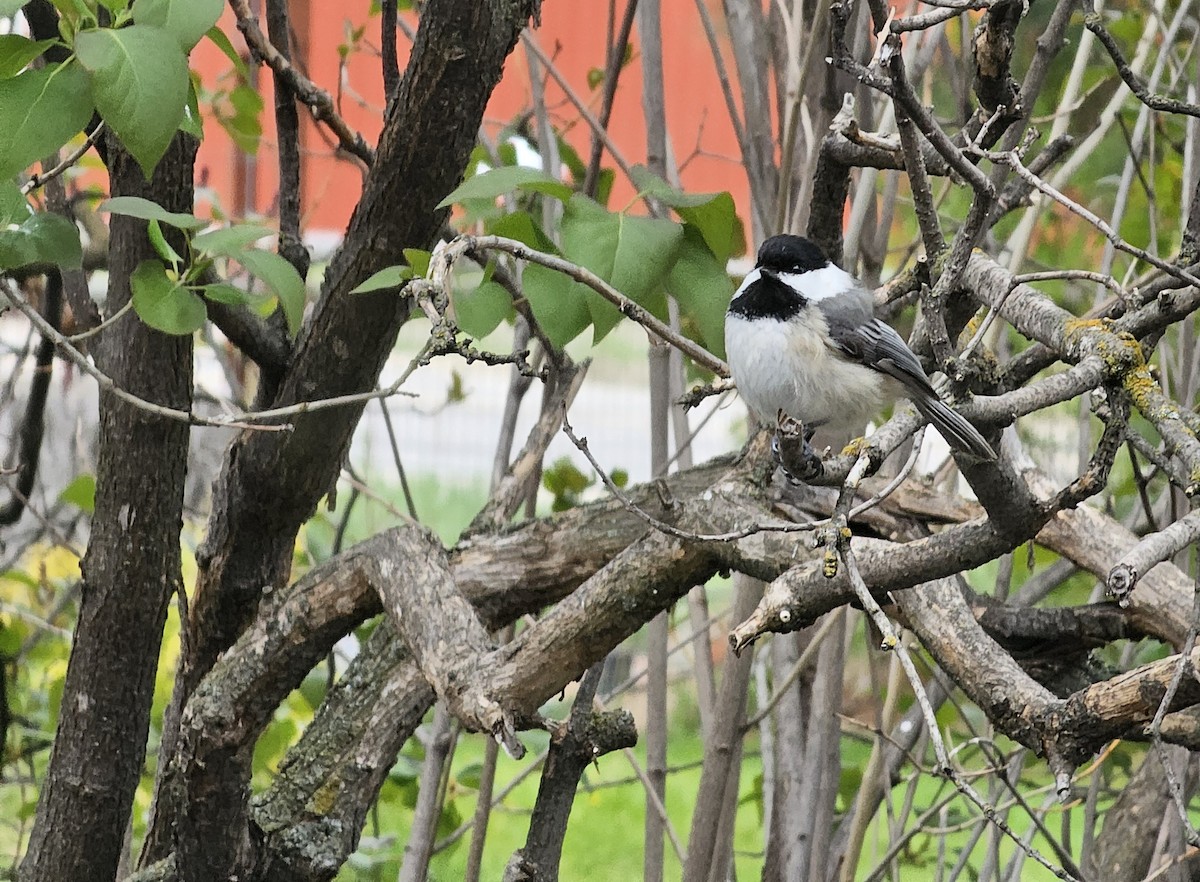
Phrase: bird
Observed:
(803, 343)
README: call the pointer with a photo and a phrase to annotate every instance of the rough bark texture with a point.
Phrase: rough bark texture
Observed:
(132, 565)
(1135, 818)
(307, 823)
(272, 481)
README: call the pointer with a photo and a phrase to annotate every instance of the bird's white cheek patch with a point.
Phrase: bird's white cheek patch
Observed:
(751, 277)
(828, 281)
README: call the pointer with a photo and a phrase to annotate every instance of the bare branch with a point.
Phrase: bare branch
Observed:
(1151, 550)
(576, 744)
(639, 314)
(1094, 23)
(317, 99)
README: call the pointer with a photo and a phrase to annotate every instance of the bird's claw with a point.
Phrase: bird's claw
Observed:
(794, 453)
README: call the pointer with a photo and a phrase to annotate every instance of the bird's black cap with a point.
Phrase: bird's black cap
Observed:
(791, 254)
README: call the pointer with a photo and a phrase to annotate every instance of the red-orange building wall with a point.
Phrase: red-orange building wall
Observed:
(572, 33)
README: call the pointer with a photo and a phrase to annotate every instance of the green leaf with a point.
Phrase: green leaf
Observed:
(565, 477)
(506, 179)
(450, 819)
(14, 207)
(230, 241)
(418, 259)
(470, 776)
(241, 120)
(218, 38)
(633, 254)
(39, 112)
(225, 293)
(42, 238)
(480, 310)
(9, 8)
(559, 305)
(652, 185)
(571, 159)
(139, 84)
(185, 20)
(81, 493)
(387, 278)
(136, 206)
(714, 214)
(718, 222)
(521, 226)
(162, 302)
(161, 246)
(566, 483)
(281, 279)
(16, 52)
(702, 286)
(192, 122)
(604, 185)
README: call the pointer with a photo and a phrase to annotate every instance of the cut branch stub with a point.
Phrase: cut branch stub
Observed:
(576, 743)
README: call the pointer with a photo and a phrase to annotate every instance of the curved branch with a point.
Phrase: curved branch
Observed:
(318, 100)
(1094, 23)
(1152, 550)
(33, 422)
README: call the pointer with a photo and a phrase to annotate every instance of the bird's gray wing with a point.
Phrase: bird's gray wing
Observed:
(875, 344)
(878, 346)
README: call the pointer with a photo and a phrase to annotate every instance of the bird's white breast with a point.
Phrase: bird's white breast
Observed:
(789, 366)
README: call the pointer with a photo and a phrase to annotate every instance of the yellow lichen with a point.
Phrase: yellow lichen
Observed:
(855, 447)
(830, 565)
(324, 798)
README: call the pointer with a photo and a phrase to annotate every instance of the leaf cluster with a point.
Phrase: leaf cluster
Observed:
(644, 257)
(167, 293)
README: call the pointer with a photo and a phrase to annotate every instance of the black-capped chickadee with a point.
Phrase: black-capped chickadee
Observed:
(802, 341)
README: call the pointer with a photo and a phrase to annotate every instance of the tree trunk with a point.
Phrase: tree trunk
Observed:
(132, 565)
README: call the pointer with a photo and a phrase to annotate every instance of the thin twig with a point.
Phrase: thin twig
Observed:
(891, 641)
(237, 420)
(39, 180)
(781, 689)
(612, 73)
(1093, 22)
(1013, 161)
(107, 323)
(318, 100)
(628, 308)
(598, 130)
(1184, 667)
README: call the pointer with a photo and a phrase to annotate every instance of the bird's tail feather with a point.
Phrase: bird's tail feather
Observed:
(954, 428)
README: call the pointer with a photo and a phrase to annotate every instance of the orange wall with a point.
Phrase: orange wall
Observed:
(572, 33)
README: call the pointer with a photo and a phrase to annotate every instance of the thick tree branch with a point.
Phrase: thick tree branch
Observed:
(268, 489)
(446, 637)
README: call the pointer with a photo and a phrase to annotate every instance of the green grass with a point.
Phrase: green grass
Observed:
(446, 507)
(605, 834)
